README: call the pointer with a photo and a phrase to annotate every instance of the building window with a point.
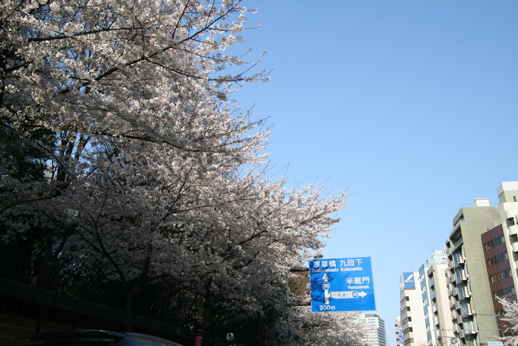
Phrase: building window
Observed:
(489, 245)
(497, 259)
(494, 242)
(500, 276)
(504, 292)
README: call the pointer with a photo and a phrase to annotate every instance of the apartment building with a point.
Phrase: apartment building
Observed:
(500, 246)
(501, 283)
(453, 299)
(471, 302)
(508, 199)
(411, 310)
(375, 330)
(432, 275)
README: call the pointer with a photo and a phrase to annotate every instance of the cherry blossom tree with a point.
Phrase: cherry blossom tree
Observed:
(327, 329)
(134, 166)
(510, 318)
(256, 236)
(97, 71)
(92, 86)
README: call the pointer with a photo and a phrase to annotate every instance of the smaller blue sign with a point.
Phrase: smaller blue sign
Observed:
(342, 284)
(408, 280)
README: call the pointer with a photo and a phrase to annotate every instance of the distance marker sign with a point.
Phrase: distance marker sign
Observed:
(342, 284)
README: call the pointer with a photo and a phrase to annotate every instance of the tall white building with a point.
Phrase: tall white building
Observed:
(508, 198)
(375, 334)
(411, 310)
(436, 305)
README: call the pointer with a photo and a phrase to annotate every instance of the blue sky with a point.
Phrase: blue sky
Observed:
(411, 105)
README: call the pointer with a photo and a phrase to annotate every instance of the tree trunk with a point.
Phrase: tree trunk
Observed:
(131, 293)
(128, 321)
(208, 316)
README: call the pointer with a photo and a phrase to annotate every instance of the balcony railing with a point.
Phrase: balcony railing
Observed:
(511, 213)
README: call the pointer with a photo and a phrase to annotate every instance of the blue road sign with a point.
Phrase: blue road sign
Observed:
(342, 284)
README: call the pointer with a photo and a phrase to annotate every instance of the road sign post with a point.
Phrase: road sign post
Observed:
(342, 284)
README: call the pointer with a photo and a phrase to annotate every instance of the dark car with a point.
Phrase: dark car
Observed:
(97, 338)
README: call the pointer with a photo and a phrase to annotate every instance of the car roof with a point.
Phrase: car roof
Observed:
(125, 339)
(77, 333)
(143, 339)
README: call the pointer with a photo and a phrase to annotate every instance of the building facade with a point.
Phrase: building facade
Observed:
(500, 246)
(471, 303)
(375, 334)
(501, 283)
(453, 299)
(508, 199)
(412, 319)
(432, 275)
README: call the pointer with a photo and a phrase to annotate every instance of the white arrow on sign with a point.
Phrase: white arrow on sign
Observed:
(326, 287)
(348, 295)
